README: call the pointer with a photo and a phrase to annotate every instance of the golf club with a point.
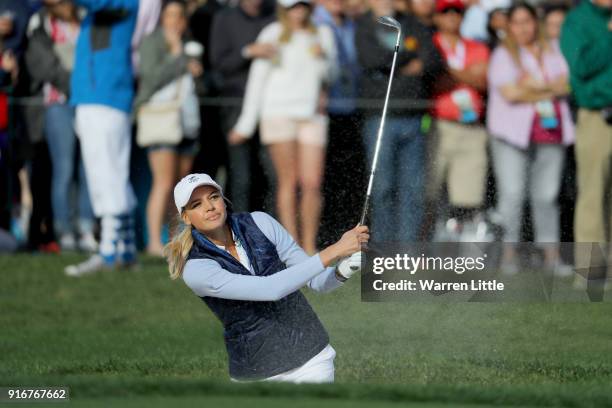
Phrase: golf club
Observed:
(390, 22)
(393, 23)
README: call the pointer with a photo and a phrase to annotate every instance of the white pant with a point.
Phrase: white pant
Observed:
(319, 369)
(106, 141)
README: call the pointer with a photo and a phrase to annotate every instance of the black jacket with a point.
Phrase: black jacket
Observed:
(42, 63)
(232, 29)
(375, 44)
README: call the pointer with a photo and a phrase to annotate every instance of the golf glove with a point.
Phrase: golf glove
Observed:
(350, 265)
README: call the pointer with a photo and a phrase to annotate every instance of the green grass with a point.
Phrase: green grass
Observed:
(139, 339)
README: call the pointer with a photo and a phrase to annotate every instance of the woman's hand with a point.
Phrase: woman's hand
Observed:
(234, 138)
(527, 90)
(195, 68)
(560, 86)
(261, 50)
(413, 68)
(317, 51)
(531, 83)
(9, 64)
(350, 243)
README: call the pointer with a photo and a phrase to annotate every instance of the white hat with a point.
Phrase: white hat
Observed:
(291, 3)
(184, 188)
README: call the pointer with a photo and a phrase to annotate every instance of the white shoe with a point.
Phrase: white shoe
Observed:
(94, 264)
(67, 242)
(563, 270)
(88, 243)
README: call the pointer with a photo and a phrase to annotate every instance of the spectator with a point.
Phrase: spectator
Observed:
(9, 69)
(232, 49)
(214, 157)
(53, 32)
(164, 67)
(346, 157)
(424, 10)
(461, 154)
(529, 118)
(30, 156)
(287, 89)
(477, 16)
(102, 86)
(200, 25)
(16, 149)
(586, 41)
(554, 15)
(14, 15)
(497, 27)
(398, 192)
(356, 8)
(9, 65)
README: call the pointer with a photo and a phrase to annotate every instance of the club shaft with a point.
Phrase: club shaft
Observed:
(379, 136)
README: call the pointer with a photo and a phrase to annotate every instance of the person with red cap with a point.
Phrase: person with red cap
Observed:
(461, 151)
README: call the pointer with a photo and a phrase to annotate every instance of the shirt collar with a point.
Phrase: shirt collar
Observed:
(234, 238)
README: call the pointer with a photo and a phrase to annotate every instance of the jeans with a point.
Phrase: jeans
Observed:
(62, 142)
(535, 171)
(398, 190)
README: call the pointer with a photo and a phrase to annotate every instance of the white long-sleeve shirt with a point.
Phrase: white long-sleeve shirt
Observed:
(289, 84)
(206, 277)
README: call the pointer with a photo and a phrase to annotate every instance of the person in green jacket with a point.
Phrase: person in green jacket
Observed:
(586, 42)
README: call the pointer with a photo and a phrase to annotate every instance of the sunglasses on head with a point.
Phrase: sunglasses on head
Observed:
(455, 10)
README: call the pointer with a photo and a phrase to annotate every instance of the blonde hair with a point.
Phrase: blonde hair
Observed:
(285, 37)
(177, 250)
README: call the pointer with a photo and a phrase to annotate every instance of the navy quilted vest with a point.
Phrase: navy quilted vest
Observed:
(262, 338)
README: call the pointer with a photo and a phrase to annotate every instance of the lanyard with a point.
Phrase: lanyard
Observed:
(455, 58)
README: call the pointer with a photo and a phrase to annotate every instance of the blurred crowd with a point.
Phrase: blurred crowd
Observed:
(106, 104)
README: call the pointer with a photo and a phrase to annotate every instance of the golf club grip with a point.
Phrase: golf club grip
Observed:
(364, 212)
(364, 215)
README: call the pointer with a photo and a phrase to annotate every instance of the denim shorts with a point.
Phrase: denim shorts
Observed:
(187, 147)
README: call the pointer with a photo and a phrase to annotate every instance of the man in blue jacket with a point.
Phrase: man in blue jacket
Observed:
(102, 91)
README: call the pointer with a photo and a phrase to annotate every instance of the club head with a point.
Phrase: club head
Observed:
(390, 22)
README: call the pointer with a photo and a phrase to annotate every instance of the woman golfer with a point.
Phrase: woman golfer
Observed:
(248, 270)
